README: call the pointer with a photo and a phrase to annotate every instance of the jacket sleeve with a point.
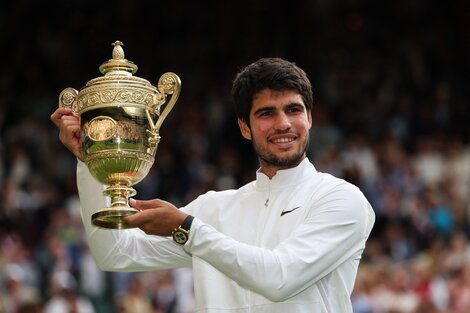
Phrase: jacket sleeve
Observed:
(127, 249)
(334, 231)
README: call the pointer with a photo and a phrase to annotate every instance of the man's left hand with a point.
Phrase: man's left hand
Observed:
(155, 217)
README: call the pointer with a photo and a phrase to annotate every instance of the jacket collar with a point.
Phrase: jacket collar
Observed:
(288, 177)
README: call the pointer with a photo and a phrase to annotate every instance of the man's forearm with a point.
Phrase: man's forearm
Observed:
(123, 250)
(91, 196)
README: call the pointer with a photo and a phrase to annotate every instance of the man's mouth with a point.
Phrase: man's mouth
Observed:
(283, 140)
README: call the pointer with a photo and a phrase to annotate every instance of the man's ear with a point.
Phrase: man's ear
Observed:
(244, 129)
(310, 118)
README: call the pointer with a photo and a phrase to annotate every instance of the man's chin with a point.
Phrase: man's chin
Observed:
(286, 161)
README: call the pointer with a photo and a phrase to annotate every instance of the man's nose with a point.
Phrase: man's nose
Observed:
(282, 121)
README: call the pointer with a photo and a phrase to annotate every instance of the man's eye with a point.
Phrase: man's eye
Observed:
(294, 109)
(265, 114)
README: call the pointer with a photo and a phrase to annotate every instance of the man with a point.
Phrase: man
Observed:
(290, 241)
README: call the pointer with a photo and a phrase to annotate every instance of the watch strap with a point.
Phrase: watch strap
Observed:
(188, 221)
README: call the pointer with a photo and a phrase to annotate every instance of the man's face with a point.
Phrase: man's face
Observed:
(279, 129)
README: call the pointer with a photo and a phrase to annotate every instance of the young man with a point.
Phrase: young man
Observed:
(290, 241)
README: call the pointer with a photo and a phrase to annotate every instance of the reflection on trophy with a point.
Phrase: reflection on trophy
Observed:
(120, 123)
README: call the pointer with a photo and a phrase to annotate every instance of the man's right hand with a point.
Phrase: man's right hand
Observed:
(69, 129)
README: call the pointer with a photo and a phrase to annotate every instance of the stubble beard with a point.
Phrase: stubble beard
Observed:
(271, 159)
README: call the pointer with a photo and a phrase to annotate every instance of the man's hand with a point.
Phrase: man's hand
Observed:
(156, 217)
(69, 129)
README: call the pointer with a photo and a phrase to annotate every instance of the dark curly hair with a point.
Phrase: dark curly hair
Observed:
(273, 73)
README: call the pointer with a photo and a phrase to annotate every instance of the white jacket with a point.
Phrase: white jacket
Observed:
(283, 245)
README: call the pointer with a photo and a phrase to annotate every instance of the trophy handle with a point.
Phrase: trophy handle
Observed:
(168, 84)
(67, 98)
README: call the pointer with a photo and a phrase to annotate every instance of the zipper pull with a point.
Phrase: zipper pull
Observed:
(267, 202)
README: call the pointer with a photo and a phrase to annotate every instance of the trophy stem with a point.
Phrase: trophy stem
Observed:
(111, 217)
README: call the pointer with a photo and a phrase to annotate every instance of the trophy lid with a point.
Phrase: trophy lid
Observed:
(118, 87)
(117, 70)
(118, 64)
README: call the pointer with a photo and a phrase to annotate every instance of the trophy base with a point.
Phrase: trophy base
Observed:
(111, 218)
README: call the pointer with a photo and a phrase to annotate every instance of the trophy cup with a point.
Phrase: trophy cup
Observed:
(120, 122)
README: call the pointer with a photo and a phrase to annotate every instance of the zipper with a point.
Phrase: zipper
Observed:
(262, 225)
(263, 214)
(266, 203)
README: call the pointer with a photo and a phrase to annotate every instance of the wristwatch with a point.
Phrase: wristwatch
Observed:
(181, 233)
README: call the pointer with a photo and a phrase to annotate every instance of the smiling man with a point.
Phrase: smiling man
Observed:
(280, 136)
(290, 241)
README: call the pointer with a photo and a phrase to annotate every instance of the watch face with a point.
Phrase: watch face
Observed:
(180, 236)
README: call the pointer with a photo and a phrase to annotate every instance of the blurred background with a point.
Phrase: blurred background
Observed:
(391, 115)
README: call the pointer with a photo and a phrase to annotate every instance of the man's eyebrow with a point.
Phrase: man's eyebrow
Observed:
(295, 104)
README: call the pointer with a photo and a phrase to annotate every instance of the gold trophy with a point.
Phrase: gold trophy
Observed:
(120, 123)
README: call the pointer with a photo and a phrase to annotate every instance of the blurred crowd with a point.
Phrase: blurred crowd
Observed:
(391, 116)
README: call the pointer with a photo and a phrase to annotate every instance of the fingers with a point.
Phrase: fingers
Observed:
(148, 221)
(145, 207)
(138, 219)
(146, 204)
(57, 115)
(67, 121)
(157, 217)
(69, 129)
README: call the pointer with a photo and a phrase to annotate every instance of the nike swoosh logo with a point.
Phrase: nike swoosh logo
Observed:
(285, 212)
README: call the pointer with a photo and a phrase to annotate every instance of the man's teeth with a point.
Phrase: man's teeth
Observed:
(282, 140)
